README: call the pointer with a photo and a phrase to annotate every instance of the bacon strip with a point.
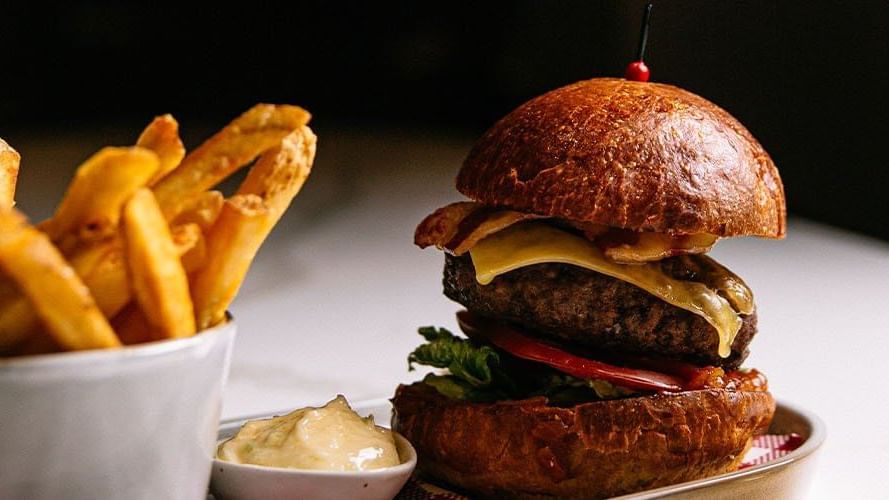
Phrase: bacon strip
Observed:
(457, 227)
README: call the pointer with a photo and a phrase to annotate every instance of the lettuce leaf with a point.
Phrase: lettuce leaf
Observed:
(480, 372)
(456, 388)
(468, 362)
(560, 388)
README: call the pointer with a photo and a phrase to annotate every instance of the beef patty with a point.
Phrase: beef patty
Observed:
(580, 307)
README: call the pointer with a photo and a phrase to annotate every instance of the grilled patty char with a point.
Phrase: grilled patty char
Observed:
(580, 307)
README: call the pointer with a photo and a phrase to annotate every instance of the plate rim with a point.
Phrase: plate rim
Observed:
(816, 437)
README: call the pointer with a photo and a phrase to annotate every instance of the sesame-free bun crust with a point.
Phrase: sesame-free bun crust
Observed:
(641, 156)
(527, 449)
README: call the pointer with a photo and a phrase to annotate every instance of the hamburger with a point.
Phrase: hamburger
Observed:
(603, 347)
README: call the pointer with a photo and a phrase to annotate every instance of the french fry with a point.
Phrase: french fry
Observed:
(148, 243)
(246, 220)
(158, 279)
(39, 343)
(132, 326)
(91, 207)
(9, 172)
(191, 246)
(202, 210)
(103, 268)
(103, 271)
(60, 298)
(280, 173)
(254, 132)
(162, 137)
(232, 244)
(18, 320)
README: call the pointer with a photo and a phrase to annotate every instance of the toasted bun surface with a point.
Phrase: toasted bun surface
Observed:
(526, 449)
(642, 156)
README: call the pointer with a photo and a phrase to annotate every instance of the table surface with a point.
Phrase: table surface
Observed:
(334, 299)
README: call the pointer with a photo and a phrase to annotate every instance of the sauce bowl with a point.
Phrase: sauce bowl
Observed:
(231, 481)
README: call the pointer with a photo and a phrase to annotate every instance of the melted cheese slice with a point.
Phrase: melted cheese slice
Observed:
(536, 243)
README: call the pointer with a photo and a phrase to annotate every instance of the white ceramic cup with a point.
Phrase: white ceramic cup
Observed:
(138, 422)
(232, 481)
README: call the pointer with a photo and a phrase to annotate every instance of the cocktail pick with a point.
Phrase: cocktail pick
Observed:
(637, 70)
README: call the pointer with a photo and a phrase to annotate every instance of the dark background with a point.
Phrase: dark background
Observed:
(810, 80)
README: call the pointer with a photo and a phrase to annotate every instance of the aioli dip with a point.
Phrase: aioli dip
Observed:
(332, 437)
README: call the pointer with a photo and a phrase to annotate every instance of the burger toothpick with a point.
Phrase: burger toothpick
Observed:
(637, 70)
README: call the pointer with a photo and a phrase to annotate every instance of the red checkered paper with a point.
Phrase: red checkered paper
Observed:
(770, 447)
(764, 449)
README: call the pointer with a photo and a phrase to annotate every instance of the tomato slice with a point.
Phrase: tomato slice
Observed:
(525, 347)
(695, 377)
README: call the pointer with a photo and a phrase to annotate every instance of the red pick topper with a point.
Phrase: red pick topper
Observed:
(637, 70)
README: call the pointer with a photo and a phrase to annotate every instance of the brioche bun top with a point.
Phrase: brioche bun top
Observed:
(634, 155)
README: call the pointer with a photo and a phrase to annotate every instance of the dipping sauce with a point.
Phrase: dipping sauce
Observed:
(332, 437)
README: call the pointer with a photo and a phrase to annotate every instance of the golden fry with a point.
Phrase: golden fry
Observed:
(17, 317)
(281, 173)
(156, 273)
(91, 207)
(202, 210)
(191, 246)
(18, 320)
(61, 300)
(231, 246)
(246, 220)
(136, 223)
(189, 241)
(9, 172)
(162, 137)
(39, 343)
(256, 131)
(103, 270)
(132, 326)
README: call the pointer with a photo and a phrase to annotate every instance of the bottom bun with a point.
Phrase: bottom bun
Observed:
(527, 449)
